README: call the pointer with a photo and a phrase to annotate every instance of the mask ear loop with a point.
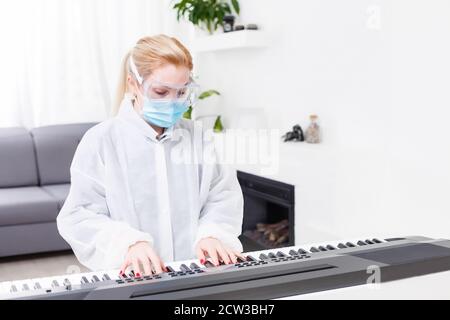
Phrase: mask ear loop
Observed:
(135, 71)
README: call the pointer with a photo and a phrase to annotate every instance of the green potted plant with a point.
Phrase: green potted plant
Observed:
(206, 14)
(202, 96)
(218, 126)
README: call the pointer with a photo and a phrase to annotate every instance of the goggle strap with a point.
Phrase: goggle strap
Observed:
(135, 71)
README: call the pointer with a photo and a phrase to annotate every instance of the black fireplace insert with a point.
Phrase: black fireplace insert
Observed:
(268, 213)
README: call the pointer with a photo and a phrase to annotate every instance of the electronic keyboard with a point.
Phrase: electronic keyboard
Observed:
(265, 274)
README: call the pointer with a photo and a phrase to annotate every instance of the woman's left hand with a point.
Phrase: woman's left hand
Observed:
(217, 251)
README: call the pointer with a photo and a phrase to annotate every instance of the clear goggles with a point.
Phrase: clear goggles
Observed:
(156, 90)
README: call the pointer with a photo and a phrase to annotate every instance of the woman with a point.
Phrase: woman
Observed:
(132, 202)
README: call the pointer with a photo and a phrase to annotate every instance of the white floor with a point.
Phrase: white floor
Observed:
(39, 265)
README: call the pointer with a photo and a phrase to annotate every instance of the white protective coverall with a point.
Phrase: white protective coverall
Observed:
(129, 186)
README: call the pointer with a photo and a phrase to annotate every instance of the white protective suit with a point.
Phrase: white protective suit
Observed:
(126, 187)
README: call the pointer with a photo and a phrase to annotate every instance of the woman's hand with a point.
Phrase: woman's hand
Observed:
(217, 251)
(142, 254)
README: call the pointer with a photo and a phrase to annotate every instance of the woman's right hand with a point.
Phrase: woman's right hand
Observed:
(142, 254)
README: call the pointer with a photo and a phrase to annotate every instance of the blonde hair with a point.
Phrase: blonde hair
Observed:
(148, 54)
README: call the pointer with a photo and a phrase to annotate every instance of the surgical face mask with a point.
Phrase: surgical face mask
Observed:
(164, 104)
(163, 113)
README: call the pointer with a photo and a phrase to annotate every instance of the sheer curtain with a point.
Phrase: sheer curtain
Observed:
(61, 58)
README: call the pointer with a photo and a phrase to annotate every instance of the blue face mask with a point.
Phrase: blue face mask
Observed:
(163, 113)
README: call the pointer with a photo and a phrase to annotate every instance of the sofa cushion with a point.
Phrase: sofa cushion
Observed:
(55, 148)
(26, 205)
(17, 158)
(59, 192)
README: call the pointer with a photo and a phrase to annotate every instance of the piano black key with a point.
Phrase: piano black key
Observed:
(250, 258)
(349, 244)
(322, 248)
(37, 286)
(281, 254)
(25, 287)
(95, 278)
(209, 264)
(106, 277)
(239, 260)
(314, 249)
(67, 284)
(184, 267)
(330, 247)
(369, 241)
(375, 240)
(293, 253)
(170, 269)
(194, 266)
(272, 255)
(301, 251)
(361, 243)
(55, 284)
(85, 280)
(341, 246)
(262, 256)
(13, 288)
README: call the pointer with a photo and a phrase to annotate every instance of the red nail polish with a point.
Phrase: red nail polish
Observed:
(120, 273)
(202, 261)
(138, 274)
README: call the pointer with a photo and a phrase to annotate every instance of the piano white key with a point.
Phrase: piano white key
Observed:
(285, 250)
(14, 288)
(46, 283)
(99, 275)
(4, 287)
(75, 279)
(59, 280)
(113, 274)
(20, 283)
(176, 265)
(27, 285)
(196, 261)
(88, 276)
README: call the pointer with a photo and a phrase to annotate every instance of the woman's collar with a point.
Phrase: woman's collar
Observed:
(129, 115)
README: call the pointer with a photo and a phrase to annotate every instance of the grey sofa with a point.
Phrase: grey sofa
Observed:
(34, 182)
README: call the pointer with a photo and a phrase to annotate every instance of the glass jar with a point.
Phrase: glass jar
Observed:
(313, 131)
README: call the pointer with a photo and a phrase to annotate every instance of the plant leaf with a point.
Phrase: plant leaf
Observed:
(208, 93)
(236, 7)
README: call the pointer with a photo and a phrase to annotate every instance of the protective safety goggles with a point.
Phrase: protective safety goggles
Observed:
(157, 90)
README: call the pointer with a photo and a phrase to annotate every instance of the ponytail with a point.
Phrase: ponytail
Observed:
(122, 86)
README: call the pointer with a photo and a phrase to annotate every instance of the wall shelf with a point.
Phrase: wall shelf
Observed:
(230, 40)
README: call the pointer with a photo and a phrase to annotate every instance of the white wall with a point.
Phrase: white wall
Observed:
(380, 85)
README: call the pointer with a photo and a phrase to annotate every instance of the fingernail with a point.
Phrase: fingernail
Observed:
(138, 274)
(202, 261)
(120, 273)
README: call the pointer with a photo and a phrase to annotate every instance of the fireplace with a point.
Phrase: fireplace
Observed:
(268, 213)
